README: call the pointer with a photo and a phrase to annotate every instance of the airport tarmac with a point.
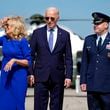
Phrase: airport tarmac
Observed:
(72, 100)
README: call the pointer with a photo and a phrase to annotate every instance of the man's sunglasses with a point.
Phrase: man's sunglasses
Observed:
(49, 18)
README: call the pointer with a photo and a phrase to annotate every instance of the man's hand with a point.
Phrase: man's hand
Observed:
(31, 80)
(83, 87)
(67, 82)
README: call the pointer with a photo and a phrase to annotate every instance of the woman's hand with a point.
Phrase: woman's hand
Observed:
(9, 65)
(0, 23)
(3, 22)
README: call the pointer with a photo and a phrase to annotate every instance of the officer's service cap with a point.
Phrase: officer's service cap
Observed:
(100, 18)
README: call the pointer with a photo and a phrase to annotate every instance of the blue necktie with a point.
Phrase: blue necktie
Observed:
(99, 44)
(51, 39)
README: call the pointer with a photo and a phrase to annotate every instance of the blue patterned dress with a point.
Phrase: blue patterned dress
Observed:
(13, 84)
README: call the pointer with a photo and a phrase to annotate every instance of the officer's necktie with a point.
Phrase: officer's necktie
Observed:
(51, 39)
(99, 44)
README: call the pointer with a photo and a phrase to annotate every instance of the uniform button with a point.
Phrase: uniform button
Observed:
(96, 68)
(97, 61)
(97, 54)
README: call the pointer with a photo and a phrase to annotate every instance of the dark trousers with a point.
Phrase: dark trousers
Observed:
(44, 90)
(98, 101)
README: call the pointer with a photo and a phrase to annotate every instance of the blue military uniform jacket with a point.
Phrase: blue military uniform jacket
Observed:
(95, 66)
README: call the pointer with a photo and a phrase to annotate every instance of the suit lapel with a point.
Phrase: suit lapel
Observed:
(44, 34)
(59, 35)
(94, 42)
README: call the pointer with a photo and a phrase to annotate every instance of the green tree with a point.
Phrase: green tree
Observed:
(37, 19)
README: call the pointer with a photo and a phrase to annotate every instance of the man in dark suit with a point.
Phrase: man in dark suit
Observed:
(51, 53)
(95, 66)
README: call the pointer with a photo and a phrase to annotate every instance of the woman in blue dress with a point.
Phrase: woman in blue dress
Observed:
(16, 59)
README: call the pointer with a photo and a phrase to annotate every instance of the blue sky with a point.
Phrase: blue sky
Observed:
(69, 9)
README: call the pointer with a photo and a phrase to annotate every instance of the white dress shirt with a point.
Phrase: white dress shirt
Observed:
(102, 36)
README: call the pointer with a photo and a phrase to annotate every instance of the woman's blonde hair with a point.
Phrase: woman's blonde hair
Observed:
(19, 27)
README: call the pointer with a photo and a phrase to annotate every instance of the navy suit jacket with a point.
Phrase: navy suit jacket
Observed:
(57, 64)
(95, 66)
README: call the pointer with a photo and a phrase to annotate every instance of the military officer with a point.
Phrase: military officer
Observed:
(95, 65)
